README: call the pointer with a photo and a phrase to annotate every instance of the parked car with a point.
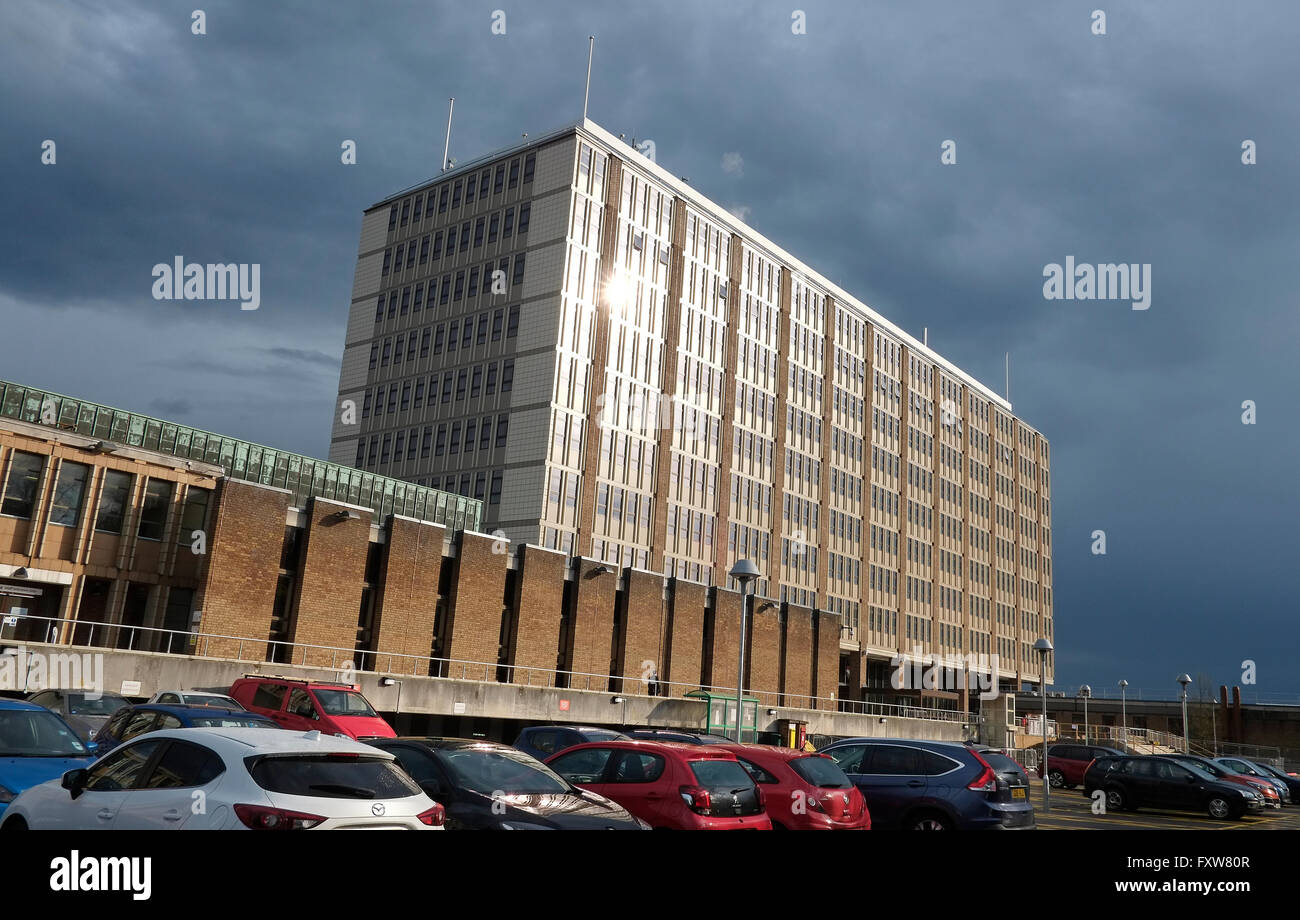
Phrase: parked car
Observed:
(130, 721)
(304, 705)
(542, 741)
(1272, 799)
(1152, 781)
(1094, 777)
(488, 786)
(247, 778)
(803, 791)
(195, 698)
(1292, 781)
(932, 785)
(681, 737)
(1253, 769)
(668, 785)
(36, 745)
(1066, 762)
(83, 710)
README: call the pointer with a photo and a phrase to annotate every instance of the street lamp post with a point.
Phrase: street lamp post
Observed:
(1123, 714)
(1185, 680)
(1042, 647)
(744, 571)
(1085, 691)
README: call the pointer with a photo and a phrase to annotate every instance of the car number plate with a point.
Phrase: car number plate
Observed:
(1018, 793)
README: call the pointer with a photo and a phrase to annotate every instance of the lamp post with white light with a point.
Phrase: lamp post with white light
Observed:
(1185, 680)
(1085, 691)
(1043, 647)
(744, 571)
(1123, 714)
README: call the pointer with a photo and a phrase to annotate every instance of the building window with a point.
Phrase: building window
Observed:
(113, 501)
(153, 513)
(514, 173)
(499, 181)
(519, 269)
(525, 213)
(512, 325)
(530, 166)
(69, 493)
(491, 380)
(494, 226)
(494, 496)
(508, 375)
(194, 516)
(20, 493)
(503, 426)
(508, 230)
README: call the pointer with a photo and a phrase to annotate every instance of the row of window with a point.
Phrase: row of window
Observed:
(452, 287)
(486, 229)
(394, 447)
(70, 491)
(445, 335)
(468, 189)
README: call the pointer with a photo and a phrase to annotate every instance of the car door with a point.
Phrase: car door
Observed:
(1138, 780)
(892, 780)
(269, 699)
(174, 791)
(638, 777)
(107, 783)
(1177, 787)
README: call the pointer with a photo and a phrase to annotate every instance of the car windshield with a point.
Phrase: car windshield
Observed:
(90, 704)
(29, 733)
(230, 722)
(343, 703)
(509, 772)
(821, 772)
(1211, 768)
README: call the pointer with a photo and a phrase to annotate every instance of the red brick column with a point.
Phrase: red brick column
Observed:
(720, 661)
(333, 575)
(533, 639)
(685, 640)
(763, 651)
(592, 638)
(407, 606)
(641, 640)
(826, 664)
(472, 632)
(797, 668)
(238, 595)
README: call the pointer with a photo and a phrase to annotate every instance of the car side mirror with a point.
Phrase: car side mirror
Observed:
(75, 782)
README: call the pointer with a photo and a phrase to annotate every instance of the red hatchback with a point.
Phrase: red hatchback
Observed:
(669, 786)
(803, 791)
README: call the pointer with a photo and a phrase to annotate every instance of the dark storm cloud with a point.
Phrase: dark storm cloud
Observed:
(1126, 147)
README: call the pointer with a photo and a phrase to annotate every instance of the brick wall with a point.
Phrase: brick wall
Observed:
(407, 605)
(827, 660)
(685, 642)
(538, 604)
(640, 649)
(472, 631)
(797, 670)
(330, 587)
(592, 637)
(243, 566)
(720, 656)
(763, 651)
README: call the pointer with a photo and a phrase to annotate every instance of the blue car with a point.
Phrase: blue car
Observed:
(35, 746)
(935, 785)
(130, 721)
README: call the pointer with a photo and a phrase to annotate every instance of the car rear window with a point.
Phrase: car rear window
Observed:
(720, 774)
(821, 772)
(332, 776)
(1001, 763)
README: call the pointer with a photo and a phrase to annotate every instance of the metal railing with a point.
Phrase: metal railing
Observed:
(66, 632)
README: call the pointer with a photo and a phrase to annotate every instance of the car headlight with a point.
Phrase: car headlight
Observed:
(6, 796)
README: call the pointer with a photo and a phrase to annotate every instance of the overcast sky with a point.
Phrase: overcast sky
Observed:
(1122, 147)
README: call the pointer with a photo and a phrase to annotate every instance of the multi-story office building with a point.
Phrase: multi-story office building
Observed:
(621, 369)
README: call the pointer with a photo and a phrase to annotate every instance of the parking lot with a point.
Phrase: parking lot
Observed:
(1071, 811)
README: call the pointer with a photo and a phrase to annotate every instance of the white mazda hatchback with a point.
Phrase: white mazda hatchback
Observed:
(231, 778)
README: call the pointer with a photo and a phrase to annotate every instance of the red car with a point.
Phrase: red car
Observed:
(803, 791)
(1068, 761)
(302, 705)
(667, 785)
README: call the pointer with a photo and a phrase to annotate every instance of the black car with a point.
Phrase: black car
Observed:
(1094, 777)
(680, 737)
(1153, 781)
(488, 786)
(542, 741)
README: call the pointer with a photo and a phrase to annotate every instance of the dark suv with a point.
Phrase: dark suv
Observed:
(1162, 782)
(543, 741)
(1067, 762)
(933, 785)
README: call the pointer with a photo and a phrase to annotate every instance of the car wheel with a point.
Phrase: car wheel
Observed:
(928, 821)
(1116, 800)
(1218, 807)
(1056, 778)
(15, 824)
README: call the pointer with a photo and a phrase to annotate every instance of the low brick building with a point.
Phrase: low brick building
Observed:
(152, 539)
